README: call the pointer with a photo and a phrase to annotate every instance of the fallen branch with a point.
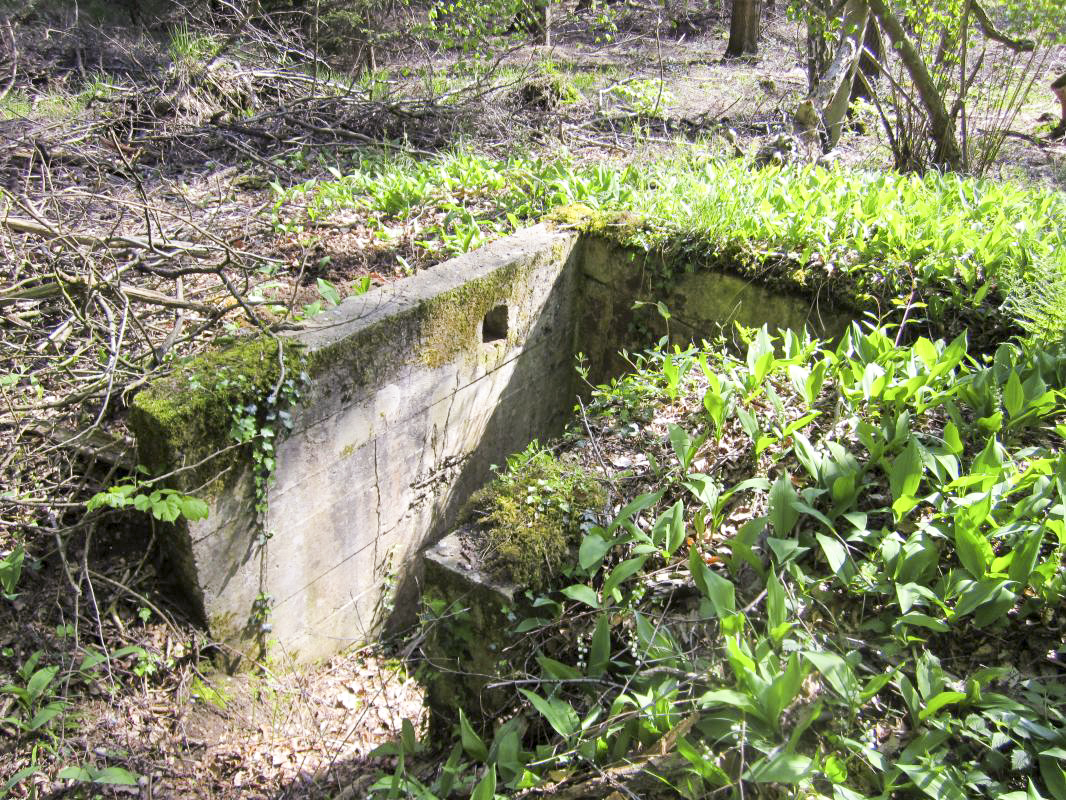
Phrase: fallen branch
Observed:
(94, 443)
(168, 248)
(639, 777)
(134, 293)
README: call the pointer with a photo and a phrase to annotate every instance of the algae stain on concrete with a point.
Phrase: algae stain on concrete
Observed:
(452, 319)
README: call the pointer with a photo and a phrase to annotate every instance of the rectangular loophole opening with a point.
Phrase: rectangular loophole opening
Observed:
(494, 326)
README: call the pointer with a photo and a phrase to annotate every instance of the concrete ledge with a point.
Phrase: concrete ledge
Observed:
(461, 668)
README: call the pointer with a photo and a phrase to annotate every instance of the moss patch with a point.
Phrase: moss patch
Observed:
(361, 353)
(622, 227)
(533, 514)
(451, 320)
(546, 92)
(187, 416)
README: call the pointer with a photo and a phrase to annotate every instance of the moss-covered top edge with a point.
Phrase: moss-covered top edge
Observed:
(186, 415)
(861, 288)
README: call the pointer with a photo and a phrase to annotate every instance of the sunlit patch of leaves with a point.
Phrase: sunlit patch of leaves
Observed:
(837, 571)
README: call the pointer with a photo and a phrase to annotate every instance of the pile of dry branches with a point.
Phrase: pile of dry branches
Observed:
(124, 241)
(129, 238)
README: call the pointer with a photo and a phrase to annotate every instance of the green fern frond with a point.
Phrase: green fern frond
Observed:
(1038, 301)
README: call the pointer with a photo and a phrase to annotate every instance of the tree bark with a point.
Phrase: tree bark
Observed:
(869, 62)
(744, 24)
(996, 35)
(1058, 86)
(539, 20)
(941, 125)
(833, 91)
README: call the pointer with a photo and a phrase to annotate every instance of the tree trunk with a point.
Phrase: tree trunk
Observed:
(872, 53)
(941, 125)
(1058, 86)
(830, 96)
(535, 18)
(817, 52)
(744, 28)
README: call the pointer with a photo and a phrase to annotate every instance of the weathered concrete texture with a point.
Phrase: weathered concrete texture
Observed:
(702, 304)
(465, 653)
(407, 408)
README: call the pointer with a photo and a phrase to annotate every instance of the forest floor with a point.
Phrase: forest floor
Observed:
(125, 162)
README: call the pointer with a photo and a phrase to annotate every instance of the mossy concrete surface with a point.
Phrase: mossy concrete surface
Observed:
(463, 654)
(414, 390)
(464, 649)
(187, 412)
(702, 303)
(410, 399)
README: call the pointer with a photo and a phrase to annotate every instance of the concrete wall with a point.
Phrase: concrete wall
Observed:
(702, 304)
(415, 390)
(407, 407)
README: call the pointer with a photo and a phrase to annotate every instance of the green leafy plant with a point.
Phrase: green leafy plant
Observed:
(11, 571)
(646, 97)
(190, 48)
(866, 239)
(106, 776)
(257, 420)
(36, 704)
(533, 513)
(166, 505)
(754, 652)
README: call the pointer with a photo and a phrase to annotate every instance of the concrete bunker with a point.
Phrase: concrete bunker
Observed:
(410, 394)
